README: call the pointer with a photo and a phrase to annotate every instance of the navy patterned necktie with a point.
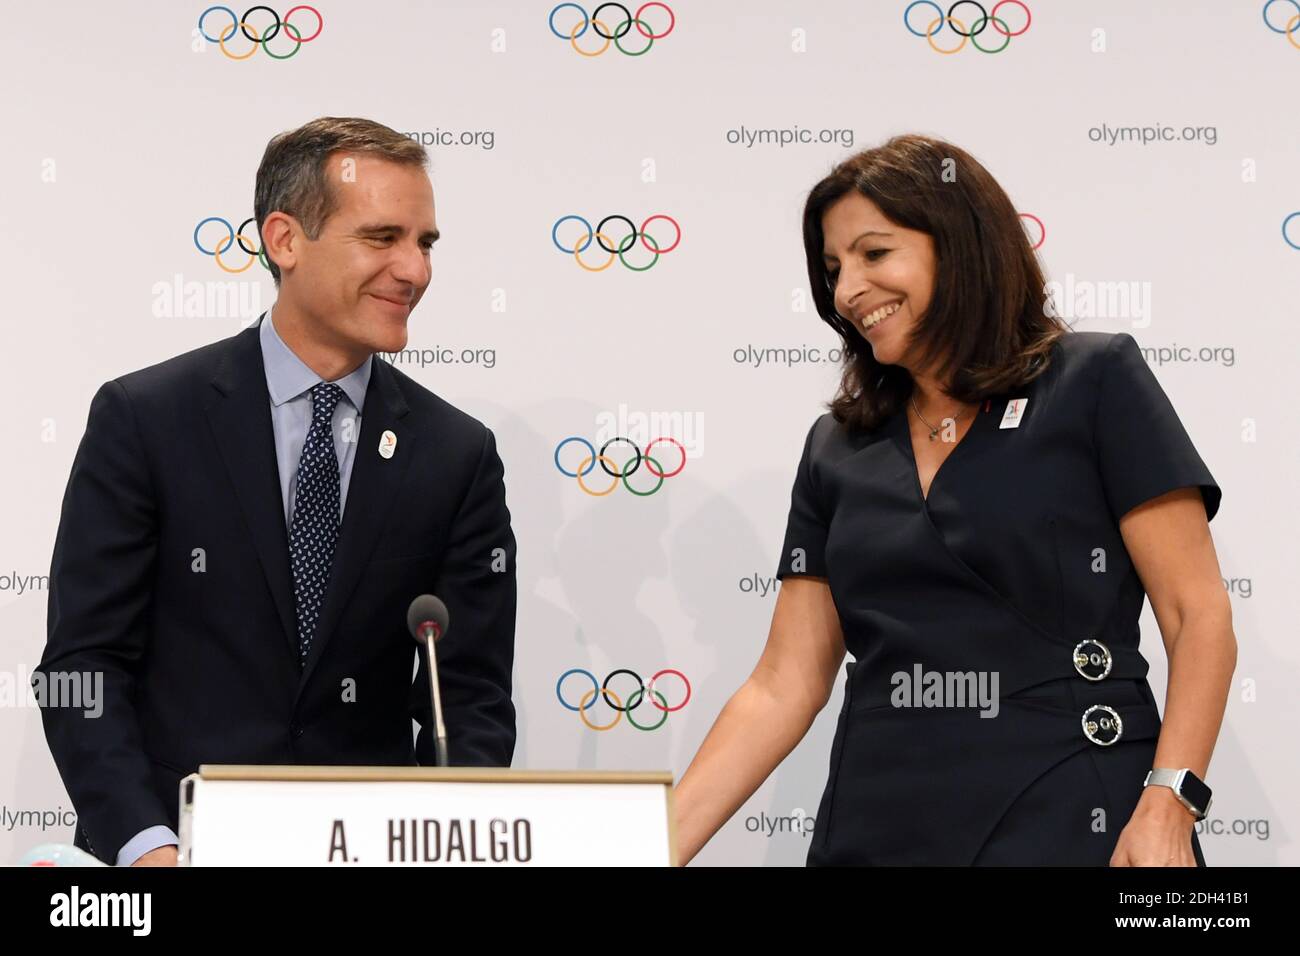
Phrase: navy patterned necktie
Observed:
(314, 531)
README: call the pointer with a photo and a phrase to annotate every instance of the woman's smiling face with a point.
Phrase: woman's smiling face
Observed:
(882, 273)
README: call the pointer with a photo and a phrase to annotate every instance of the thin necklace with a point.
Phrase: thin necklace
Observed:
(934, 429)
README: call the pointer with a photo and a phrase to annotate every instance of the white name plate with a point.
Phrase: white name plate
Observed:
(424, 816)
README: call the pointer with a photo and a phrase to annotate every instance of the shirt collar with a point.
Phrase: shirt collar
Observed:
(287, 376)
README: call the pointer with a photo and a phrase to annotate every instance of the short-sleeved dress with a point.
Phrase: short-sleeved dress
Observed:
(1013, 573)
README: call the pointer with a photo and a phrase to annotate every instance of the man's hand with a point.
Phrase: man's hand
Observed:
(161, 856)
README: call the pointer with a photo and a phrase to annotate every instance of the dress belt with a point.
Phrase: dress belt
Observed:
(1105, 712)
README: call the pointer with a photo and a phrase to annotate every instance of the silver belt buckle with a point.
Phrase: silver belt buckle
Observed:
(1092, 659)
(1102, 725)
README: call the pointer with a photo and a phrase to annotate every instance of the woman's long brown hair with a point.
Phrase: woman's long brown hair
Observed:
(989, 327)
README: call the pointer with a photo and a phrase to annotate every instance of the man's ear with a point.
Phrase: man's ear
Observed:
(282, 236)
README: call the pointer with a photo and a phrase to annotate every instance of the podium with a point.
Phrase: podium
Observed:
(236, 815)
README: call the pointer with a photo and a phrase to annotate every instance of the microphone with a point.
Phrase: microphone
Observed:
(427, 620)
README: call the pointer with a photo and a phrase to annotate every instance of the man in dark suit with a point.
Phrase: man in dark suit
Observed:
(246, 524)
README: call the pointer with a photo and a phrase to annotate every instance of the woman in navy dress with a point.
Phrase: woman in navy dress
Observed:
(977, 520)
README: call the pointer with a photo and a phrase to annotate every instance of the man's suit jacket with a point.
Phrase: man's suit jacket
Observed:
(171, 577)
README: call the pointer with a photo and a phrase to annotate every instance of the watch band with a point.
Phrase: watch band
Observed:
(1178, 781)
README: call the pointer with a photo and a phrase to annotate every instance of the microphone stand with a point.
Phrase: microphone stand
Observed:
(440, 729)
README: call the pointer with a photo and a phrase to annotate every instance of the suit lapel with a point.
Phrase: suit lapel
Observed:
(240, 415)
(372, 491)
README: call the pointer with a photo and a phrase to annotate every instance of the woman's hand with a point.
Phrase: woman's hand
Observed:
(1159, 833)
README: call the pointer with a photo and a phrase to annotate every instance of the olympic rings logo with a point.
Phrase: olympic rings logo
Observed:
(629, 468)
(644, 691)
(615, 36)
(233, 236)
(1042, 230)
(1293, 243)
(615, 249)
(958, 27)
(1291, 25)
(263, 39)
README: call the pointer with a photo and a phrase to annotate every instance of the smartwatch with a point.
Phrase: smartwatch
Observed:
(1190, 789)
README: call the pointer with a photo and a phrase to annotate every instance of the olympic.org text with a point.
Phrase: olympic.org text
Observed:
(1241, 587)
(789, 357)
(79, 691)
(13, 581)
(1174, 353)
(45, 819)
(1217, 826)
(791, 136)
(483, 138)
(487, 358)
(1145, 135)
(798, 822)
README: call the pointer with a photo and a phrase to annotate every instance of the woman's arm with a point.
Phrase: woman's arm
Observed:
(1169, 540)
(767, 716)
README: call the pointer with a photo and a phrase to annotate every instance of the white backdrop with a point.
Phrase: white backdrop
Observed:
(126, 130)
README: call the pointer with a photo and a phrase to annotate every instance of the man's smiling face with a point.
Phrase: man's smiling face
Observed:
(361, 278)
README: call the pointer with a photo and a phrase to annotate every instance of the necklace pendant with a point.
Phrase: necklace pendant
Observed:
(934, 433)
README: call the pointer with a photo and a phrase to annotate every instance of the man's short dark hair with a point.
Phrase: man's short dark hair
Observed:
(291, 178)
